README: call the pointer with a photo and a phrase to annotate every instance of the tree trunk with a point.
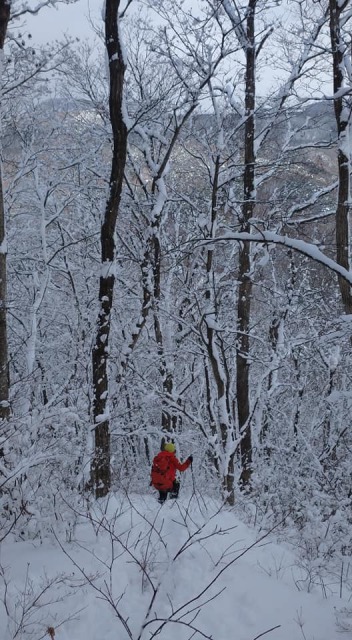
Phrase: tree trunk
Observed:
(220, 419)
(244, 276)
(4, 374)
(101, 473)
(168, 422)
(342, 116)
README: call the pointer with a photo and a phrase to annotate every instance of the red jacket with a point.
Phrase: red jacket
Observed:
(164, 468)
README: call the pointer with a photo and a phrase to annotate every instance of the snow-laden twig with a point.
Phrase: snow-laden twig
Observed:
(269, 237)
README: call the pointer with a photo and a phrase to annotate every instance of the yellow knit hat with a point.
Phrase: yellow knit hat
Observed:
(170, 447)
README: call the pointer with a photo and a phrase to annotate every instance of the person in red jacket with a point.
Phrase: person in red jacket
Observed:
(163, 474)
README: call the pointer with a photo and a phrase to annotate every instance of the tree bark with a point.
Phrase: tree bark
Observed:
(101, 473)
(342, 116)
(220, 419)
(244, 276)
(4, 373)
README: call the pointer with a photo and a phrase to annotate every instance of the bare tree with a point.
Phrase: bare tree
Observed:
(340, 45)
(101, 474)
(244, 265)
(9, 10)
(4, 377)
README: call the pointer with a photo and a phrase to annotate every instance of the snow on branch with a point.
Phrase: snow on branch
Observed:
(311, 201)
(25, 8)
(237, 22)
(269, 237)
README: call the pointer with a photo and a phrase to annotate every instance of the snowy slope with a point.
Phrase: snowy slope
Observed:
(183, 570)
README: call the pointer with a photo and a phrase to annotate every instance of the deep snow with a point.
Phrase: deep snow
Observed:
(180, 571)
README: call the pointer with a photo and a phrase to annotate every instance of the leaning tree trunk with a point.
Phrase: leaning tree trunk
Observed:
(101, 473)
(342, 116)
(244, 276)
(4, 375)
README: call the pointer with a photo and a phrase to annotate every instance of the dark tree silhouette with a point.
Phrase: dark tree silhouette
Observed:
(101, 475)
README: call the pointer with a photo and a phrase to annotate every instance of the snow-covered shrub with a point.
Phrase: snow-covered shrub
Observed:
(43, 475)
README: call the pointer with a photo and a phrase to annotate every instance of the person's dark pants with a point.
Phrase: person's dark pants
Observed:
(173, 492)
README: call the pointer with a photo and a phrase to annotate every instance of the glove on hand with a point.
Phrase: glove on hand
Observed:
(190, 458)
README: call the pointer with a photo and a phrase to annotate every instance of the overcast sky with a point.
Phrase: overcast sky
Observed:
(73, 20)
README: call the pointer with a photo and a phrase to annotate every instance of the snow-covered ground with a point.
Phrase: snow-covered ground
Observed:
(188, 569)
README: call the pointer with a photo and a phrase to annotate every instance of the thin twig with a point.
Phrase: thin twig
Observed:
(268, 631)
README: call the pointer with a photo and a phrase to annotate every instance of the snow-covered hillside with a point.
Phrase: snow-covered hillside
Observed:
(187, 569)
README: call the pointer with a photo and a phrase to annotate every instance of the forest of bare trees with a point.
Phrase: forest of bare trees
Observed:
(176, 262)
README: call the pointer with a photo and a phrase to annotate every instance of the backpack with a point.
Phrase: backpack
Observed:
(159, 473)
